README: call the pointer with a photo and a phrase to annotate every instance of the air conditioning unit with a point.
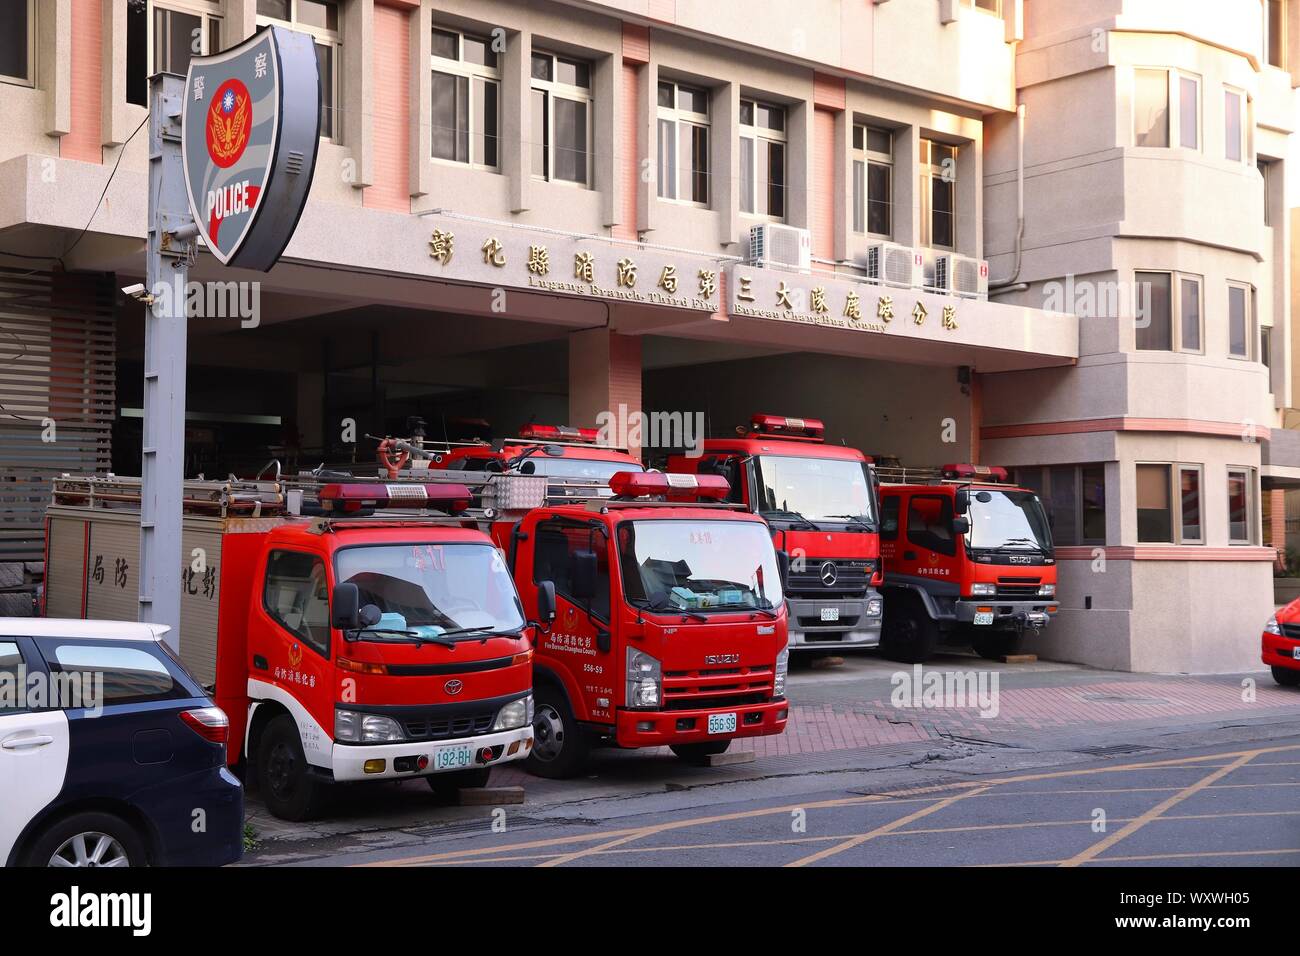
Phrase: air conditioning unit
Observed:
(894, 265)
(772, 244)
(961, 275)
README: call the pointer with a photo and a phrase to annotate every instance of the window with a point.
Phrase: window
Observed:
(162, 37)
(465, 96)
(929, 523)
(17, 41)
(559, 544)
(938, 194)
(320, 18)
(1189, 503)
(873, 175)
(1275, 32)
(1234, 125)
(561, 131)
(130, 674)
(1240, 320)
(988, 6)
(762, 159)
(1169, 503)
(1154, 506)
(683, 169)
(889, 508)
(1241, 498)
(296, 596)
(11, 661)
(1160, 296)
(1166, 108)
(1074, 497)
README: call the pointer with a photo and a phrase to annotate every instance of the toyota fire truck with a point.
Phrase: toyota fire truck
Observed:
(670, 624)
(968, 560)
(351, 631)
(820, 502)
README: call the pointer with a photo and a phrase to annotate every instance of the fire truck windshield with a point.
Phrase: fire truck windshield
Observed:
(1011, 520)
(434, 589)
(672, 565)
(816, 489)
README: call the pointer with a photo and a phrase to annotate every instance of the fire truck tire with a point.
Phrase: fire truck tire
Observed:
(698, 754)
(445, 786)
(995, 645)
(908, 633)
(560, 746)
(1286, 676)
(289, 789)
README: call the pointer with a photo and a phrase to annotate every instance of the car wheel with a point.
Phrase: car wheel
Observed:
(446, 786)
(88, 840)
(560, 746)
(995, 645)
(908, 633)
(699, 754)
(1286, 676)
(285, 780)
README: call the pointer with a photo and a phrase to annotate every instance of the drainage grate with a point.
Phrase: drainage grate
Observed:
(1123, 699)
(1116, 750)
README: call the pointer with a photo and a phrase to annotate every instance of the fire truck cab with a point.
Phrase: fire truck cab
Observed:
(366, 641)
(820, 502)
(670, 624)
(968, 560)
(569, 454)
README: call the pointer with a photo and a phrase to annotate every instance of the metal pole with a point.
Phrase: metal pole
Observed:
(162, 465)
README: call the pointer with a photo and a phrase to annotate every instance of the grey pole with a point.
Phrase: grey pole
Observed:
(170, 252)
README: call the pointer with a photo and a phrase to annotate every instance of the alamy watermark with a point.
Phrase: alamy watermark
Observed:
(622, 428)
(21, 689)
(920, 689)
(209, 300)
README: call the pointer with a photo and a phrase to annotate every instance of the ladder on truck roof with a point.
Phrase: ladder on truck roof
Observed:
(899, 475)
(498, 491)
(232, 497)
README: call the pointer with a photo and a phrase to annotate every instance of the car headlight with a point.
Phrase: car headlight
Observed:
(782, 668)
(874, 607)
(1047, 590)
(1273, 627)
(644, 679)
(983, 590)
(353, 727)
(517, 713)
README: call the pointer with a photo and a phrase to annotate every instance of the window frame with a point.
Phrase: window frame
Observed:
(208, 12)
(864, 158)
(928, 172)
(1173, 108)
(1250, 334)
(1043, 488)
(683, 118)
(32, 49)
(279, 623)
(1175, 471)
(1267, 58)
(946, 511)
(553, 89)
(613, 574)
(325, 37)
(1199, 471)
(1243, 144)
(764, 135)
(995, 12)
(460, 67)
(1248, 473)
(1176, 337)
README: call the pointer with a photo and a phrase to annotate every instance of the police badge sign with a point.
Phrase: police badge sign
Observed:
(249, 132)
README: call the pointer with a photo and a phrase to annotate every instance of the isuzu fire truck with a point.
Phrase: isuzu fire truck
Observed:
(372, 638)
(670, 625)
(968, 560)
(820, 502)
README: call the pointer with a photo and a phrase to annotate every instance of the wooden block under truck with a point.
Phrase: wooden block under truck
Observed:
(372, 635)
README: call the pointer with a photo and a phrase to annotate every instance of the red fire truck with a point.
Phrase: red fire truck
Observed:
(670, 624)
(968, 560)
(1281, 645)
(376, 639)
(820, 502)
(571, 455)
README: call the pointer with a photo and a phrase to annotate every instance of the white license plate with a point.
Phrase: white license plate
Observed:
(455, 757)
(1295, 653)
(983, 617)
(830, 614)
(722, 723)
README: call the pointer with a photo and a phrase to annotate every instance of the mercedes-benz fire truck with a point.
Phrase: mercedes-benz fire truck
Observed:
(820, 502)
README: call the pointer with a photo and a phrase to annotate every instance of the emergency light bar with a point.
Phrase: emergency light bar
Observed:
(991, 472)
(559, 433)
(641, 484)
(452, 499)
(781, 425)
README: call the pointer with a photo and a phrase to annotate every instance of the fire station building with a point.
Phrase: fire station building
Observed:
(1041, 234)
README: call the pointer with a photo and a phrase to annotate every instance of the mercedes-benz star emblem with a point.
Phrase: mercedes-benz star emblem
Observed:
(829, 574)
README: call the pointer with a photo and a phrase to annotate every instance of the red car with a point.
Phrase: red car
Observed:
(1281, 642)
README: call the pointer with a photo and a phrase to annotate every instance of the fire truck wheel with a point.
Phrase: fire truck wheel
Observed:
(908, 633)
(446, 786)
(290, 791)
(699, 754)
(560, 746)
(995, 645)
(1286, 677)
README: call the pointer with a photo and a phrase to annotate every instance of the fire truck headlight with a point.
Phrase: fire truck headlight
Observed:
(517, 713)
(983, 590)
(644, 679)
(874, 607)
(1047, 590)
(351, 727)
(1273, 627)
(782, 668)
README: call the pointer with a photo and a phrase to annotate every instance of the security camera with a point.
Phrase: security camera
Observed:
(137, 292)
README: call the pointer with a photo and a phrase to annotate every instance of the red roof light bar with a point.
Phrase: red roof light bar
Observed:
(642, 484)
(989, 472)
(452, 499)
(783, 425)
(559, 433)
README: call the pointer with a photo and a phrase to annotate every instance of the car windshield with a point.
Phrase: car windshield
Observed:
(699, 565)
(432, 588)
(576, 477)
(1008, 519)
(819, 489)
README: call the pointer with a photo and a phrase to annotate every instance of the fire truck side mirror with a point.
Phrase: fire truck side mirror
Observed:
(546, 601)
(345, 607)
(961, 501)
(960, 526)
(783, 566)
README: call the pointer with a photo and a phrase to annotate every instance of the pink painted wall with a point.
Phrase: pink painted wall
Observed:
(391, 187)
(823, 198)
(629, 150)
(84, 141)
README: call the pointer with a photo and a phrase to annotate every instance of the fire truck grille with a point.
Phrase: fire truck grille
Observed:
(444, 728)
(1018, 587)
(717, 687)
(850, 578)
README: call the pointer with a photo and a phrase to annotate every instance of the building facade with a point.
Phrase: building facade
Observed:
(1040, 234)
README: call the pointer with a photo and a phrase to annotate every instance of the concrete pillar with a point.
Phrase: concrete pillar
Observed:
(907, 198)
(516, 118)
(799, 162)
(604, 376)
(54, 64)
(724, 160)
(239, 23)
(354, 124)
